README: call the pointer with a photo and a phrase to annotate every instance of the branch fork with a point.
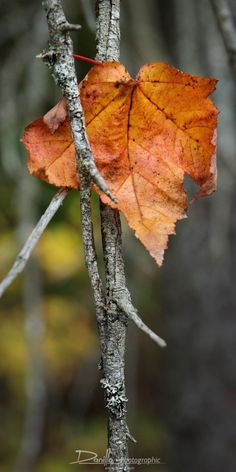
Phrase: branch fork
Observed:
(122, 298)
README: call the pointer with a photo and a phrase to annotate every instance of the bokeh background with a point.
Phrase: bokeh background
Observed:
(182, 400)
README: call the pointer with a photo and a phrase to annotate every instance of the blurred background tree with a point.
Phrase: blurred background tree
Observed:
(181, 400)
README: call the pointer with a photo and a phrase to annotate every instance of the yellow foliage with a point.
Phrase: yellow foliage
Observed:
(60, 251)
(12, 348)
(69, 336)
(8, 251)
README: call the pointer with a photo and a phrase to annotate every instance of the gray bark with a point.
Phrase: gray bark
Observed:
(108, 48)
(116, 324)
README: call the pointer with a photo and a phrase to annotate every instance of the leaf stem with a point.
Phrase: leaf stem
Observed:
(87, 59)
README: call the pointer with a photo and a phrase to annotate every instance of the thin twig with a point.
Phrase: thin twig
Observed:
(228, 29)
(59, 58)
(61, 62)
(90, 252)
(32, 240)
(132, 438)
(122, 298)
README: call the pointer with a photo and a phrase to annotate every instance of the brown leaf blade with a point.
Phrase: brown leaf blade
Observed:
(51, 153)
(144, 134)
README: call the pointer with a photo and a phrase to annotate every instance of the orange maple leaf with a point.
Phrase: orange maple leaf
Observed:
(144, 134)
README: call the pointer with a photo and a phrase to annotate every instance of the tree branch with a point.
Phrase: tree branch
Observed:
(118, 299)
(59, 58)
(114, 359)
(108, 30)
(32, 240)
(228, 29)
(62, 67)
(108, 48)
(90, 255)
